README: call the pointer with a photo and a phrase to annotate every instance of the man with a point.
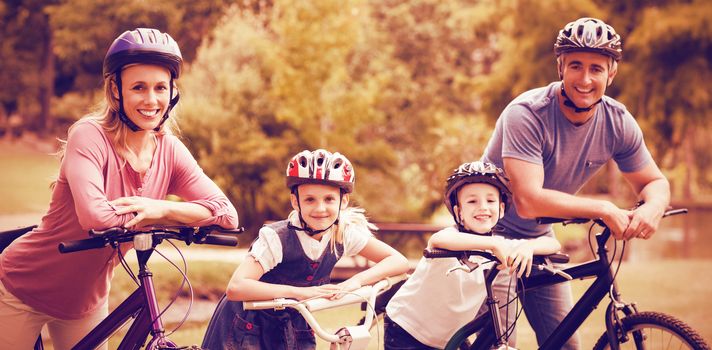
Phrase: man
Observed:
(551, 140)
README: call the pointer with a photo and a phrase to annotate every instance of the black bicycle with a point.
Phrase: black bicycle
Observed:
(625, 326)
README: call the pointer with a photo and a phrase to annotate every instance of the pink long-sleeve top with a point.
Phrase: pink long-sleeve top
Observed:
(70, 286)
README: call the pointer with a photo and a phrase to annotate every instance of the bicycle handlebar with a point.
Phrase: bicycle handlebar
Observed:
(434, 253)
(307, 307)
(548, 220)
(187, 234)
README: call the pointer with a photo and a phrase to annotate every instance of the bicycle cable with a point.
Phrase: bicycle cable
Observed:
(185, 280)
(373, 308)
(126, 266)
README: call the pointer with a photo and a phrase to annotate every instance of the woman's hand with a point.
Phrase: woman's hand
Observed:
(520, 259)
(144, 209)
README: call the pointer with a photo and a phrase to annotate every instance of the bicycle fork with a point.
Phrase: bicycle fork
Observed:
(614, 325)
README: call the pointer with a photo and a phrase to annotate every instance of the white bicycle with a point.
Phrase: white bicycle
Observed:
(355, 337)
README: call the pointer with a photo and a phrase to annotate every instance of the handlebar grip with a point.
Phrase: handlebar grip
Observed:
(441, 253)
(230, 241)
(108, 231)
(219, 229)
(82, 244)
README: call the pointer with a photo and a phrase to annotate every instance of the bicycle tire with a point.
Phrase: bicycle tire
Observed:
(655, 331)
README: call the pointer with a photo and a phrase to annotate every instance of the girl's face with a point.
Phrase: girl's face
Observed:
(146, 92)
(319, 204)
(479, 207)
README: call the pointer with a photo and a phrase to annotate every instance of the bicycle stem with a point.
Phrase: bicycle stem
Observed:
(146, 278)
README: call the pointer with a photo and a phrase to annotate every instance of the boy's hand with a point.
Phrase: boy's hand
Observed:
(500, 249)
(520, 259)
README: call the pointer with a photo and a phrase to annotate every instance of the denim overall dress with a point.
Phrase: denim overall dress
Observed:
(231, 327)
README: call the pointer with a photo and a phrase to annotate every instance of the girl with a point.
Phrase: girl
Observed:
(118, 165)
(476, 196)
(293, 258)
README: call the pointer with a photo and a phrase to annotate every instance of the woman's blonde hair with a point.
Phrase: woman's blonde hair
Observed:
(106, 114)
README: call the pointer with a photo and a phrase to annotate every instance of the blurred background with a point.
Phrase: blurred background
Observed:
(406, 89)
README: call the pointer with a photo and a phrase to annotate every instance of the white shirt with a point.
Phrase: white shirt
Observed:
(267, 249)
(431, 306)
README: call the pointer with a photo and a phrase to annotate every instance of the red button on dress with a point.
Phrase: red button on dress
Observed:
(310, 277)
(249, 326)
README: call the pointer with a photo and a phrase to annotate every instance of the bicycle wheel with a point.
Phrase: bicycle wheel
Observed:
(656, 331)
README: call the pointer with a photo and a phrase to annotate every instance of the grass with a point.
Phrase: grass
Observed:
(25, 180)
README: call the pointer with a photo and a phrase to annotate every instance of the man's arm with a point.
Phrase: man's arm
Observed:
(533, 200)
(654, 190)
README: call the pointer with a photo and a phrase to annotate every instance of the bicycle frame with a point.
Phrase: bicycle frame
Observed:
(141, 305)
(600, 269)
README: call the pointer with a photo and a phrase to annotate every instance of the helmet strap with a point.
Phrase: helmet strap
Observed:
(122, 114)
(308, 230)
(126, 120)
(572, 105)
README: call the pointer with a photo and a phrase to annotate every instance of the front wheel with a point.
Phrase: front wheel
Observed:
(655, 331)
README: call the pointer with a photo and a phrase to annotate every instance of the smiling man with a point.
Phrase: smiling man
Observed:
(552, 139)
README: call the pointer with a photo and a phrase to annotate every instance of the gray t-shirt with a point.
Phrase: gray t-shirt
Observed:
(532, 128)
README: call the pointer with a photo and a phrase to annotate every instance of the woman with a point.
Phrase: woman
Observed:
(118, 165)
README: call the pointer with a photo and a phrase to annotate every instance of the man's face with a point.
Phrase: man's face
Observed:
(586, 76)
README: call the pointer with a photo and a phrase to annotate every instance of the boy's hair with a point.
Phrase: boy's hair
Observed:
(475, 172)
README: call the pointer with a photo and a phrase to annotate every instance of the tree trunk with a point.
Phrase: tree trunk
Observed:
(44, 122)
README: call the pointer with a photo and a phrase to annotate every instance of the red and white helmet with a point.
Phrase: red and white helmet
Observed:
(321, 167)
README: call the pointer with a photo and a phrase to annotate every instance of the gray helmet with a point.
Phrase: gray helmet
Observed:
(589, 34)
(475, 172)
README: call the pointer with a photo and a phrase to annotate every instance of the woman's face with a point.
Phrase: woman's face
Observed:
(146, 93)
(319, 204)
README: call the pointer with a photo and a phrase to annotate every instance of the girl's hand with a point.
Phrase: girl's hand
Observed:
(346, 286)
(520, 259)
(144, 209)
(323, 291)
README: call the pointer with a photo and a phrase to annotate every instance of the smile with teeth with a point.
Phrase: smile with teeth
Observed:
(579, 90)
(149, 112)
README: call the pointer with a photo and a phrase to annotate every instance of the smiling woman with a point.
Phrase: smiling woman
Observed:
(118, 165)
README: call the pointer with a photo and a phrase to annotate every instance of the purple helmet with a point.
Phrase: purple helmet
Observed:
(589, 34)
(143, 45)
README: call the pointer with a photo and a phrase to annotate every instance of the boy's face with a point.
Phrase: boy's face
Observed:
(319, 204)
(479, 207)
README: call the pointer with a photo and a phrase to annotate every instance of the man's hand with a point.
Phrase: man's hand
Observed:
(617, 220)
(644, 222)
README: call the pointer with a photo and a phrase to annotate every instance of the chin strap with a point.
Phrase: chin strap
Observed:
(577, 109)
(126, 120)
(308, 230)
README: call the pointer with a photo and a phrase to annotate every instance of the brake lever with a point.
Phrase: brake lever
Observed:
(465, 265)
(547, 266)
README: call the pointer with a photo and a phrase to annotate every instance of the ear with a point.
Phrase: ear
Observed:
(612, 71)
(560, 66)
(501, 210)
(114, 89)
(344, 200)
(295, 202)
(456, 210)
